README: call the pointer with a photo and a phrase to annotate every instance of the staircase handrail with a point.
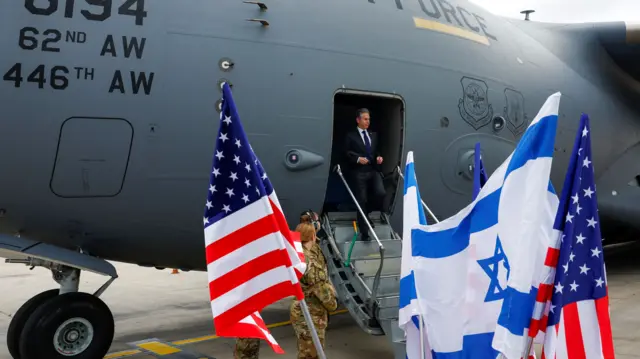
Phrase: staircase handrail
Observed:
(376, 280)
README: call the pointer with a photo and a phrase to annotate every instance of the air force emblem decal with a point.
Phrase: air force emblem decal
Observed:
(517, 119)
(474, 105)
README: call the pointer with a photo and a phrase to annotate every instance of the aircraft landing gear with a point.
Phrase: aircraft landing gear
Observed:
(62, 323)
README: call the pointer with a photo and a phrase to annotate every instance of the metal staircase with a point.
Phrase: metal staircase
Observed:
(368, 285)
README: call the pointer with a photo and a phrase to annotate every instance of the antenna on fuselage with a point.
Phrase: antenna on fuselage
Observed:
(526, 14)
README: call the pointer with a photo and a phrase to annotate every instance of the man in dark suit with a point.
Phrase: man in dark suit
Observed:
(363, 160)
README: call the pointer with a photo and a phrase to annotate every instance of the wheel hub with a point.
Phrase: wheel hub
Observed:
(73, 336)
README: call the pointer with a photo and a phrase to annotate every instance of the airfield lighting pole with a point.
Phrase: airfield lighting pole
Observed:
(312, 328)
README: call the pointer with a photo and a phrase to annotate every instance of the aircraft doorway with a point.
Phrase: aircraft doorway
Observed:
(387, 120)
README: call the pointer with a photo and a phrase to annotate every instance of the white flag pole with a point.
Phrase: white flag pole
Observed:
(312, 328)
(421, 338)
(528, 347)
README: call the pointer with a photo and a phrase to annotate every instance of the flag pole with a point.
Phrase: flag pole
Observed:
(528, 347)
(312, 328)
(423, 204)
(421, 338)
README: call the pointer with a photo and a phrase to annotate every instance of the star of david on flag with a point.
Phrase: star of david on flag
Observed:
(492, 267)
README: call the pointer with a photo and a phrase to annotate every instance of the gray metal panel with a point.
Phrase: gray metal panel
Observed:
(22, 247)
(388, 301)
(392, 329)
(389, 285)
(369, 267)
(388, 307)
(364, 250)
(344, 233)
(92, 157)
(349, 216)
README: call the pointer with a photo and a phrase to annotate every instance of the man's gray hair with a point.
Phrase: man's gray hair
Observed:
(361, 111)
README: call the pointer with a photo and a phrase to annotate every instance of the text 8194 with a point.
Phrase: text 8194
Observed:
(98, 10)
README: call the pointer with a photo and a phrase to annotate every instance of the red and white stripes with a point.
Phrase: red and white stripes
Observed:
(253, 327)
(292, 238)
(576, 336)
(250, 263)
(538, 324)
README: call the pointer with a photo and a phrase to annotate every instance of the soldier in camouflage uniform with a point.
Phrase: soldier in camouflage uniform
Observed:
(311, 217)
(246, 348)
(319, 294)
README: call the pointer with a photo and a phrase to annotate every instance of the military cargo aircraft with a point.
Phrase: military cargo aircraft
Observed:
(110, 112)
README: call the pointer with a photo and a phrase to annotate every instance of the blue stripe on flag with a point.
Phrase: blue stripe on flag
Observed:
(516, 311)
(422, 218)
(407, 290)
(440, 244)
(473, 347)
(410, 181)
(415, 321)
(485, 213)
(543, 133)
(451, 241)
(409, 177)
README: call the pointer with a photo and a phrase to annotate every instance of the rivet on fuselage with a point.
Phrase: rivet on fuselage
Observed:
(221, 83)
(225, 64)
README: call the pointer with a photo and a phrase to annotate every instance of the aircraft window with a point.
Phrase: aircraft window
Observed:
(635, 182)
(387, 120)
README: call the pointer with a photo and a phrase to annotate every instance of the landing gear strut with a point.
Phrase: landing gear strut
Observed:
(61, 323)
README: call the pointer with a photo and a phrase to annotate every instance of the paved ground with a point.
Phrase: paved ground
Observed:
(172, 310)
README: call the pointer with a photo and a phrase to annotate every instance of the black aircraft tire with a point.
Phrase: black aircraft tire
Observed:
(21, 317)
(79, 318)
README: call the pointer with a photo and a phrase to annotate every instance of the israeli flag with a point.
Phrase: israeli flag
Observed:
(477, 273)
(409, 317)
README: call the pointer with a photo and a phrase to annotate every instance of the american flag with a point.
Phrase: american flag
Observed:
(576, 315)
(253, 259)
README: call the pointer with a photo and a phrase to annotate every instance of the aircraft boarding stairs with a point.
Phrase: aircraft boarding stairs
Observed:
(368, 286)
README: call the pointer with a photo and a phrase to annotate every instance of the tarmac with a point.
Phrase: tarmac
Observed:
(160, 314)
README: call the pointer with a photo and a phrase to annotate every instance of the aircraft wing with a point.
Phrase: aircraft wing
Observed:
(604, 49)
(21, 248)
(622, 42)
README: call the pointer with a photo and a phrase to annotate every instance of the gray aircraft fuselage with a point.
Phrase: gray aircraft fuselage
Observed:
(109, 115)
